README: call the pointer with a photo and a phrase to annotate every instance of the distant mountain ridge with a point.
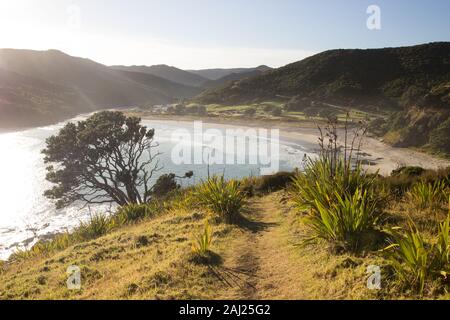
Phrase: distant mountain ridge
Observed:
(411, 83)
(232, 77)
(167, 72)
(38, 87)
(389, 77)
(209, 78)
(26, 101)
(216, 74)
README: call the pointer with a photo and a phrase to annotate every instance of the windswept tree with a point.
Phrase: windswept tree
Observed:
(105, 159)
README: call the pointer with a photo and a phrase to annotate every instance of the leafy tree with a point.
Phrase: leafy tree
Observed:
(107, 158)
(167, 183)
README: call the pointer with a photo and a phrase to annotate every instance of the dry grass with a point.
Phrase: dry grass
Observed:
(150, 260)
(281, 269)
(261, 257)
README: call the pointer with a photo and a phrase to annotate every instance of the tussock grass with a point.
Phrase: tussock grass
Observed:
(133, 213)
(223, 198)
(428, 195)
(97, 226)
(202, 241)
(419, 262)
(341, 205)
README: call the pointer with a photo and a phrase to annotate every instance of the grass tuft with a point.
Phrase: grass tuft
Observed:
(221, 197)
(428, 195)
(202, 241)
(341, 204)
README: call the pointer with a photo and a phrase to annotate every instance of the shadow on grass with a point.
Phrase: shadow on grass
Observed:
(232, 277)
(253, 225)
(209, 258)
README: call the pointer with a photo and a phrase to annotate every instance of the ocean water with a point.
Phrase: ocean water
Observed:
(27, 216)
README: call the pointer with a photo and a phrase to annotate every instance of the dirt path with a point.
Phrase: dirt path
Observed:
(263, 256)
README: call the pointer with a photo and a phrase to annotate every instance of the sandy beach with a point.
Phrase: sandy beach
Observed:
(377, 156)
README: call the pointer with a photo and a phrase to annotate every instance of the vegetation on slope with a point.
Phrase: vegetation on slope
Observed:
(177, 249)
(167, 72)
(43, 86)
(412, 82)
(26, 101)
(216, 74)
(181, 247)
(390, 77)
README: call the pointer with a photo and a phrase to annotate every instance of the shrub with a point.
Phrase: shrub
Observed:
(133, 213)
(165, 184)
(223, 198)
(398, 185)
(321, 180)
(247, 186)
(411, 258)
(98, 225)
(428, 195)
(274, 182)
(202, 241)
(402, 180)
(341, 204)
(416, 261)
(410, 171)
(345, 221)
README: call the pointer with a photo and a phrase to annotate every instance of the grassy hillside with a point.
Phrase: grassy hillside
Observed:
(165, 87)
(41, 86)
(235, 76)
(167, 72)
(153, 251)
(410, 84)
(216, 74)
(391, 77)
(26, 101)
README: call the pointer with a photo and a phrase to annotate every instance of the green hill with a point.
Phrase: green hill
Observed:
(216, 74)
(390, 77)
(167, 72)
(411, 84)
(164, 86)
(27, 101)
(40, 87)
(235, 76)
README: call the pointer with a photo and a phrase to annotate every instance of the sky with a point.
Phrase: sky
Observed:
(198, 34)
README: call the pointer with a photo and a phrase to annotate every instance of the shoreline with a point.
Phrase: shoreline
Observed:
(377, 155)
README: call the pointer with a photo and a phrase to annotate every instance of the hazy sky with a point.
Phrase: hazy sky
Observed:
(215, 33)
